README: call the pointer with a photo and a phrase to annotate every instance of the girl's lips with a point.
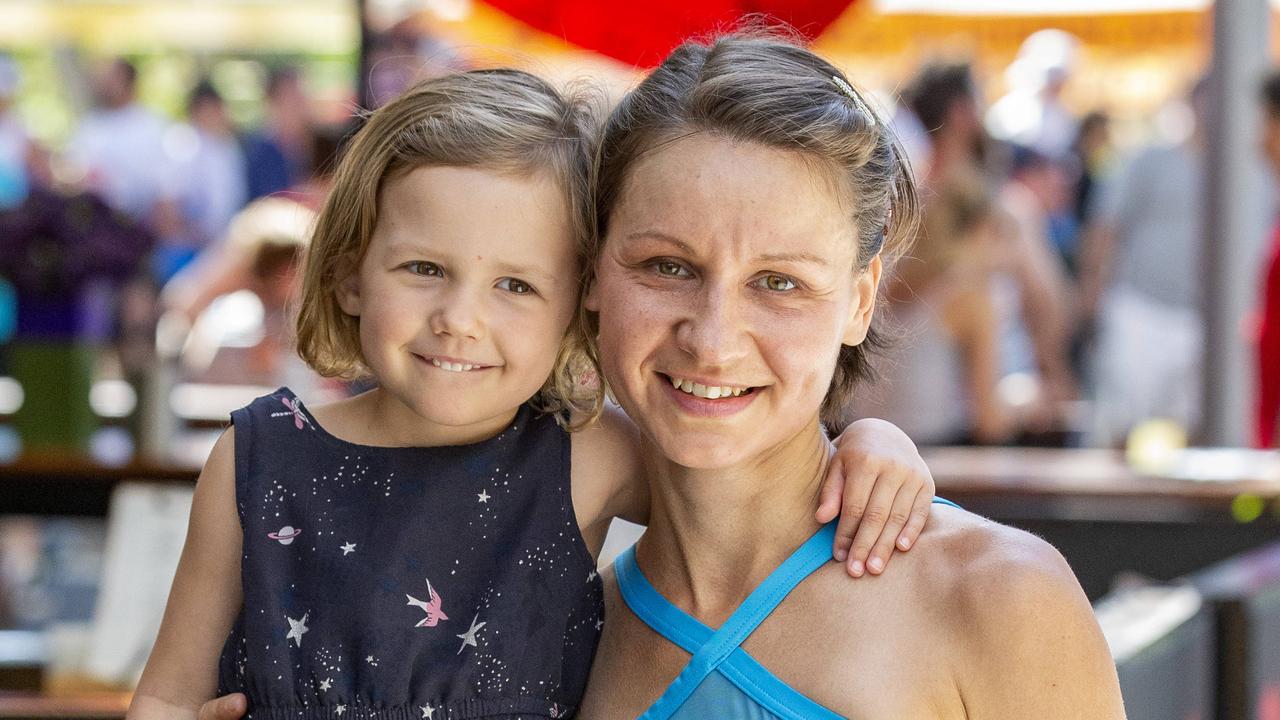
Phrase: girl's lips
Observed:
(706, 407)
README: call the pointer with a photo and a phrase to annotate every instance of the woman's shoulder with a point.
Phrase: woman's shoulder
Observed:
(983, 568)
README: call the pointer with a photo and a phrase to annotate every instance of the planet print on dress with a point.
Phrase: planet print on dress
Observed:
(285, 535)
(431, 607)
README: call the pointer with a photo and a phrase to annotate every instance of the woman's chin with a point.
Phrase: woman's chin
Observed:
(703, 453)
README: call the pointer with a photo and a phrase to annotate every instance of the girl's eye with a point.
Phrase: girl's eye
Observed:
(667, 268)
(422, 267)
(519, 287)
(776, 283)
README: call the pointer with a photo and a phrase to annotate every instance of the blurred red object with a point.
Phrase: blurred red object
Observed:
(642, 34)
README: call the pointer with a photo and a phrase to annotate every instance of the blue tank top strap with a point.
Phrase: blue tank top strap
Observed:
(719, 650)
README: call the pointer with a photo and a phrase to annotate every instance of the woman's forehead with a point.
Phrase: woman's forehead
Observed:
(705, 186)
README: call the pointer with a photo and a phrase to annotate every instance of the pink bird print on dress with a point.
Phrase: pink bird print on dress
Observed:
(431, 607)
(295, 409)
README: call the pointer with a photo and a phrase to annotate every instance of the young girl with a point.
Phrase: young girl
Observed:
(427, 549)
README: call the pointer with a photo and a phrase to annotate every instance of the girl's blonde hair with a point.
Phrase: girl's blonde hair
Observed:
(762, 86)
(502, 120)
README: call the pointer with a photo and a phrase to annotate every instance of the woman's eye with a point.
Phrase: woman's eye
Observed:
(776, 283)
(519, 287)
(421, 267)
(667, 268)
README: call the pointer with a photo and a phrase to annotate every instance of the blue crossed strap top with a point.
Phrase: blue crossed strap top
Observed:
(721, 680)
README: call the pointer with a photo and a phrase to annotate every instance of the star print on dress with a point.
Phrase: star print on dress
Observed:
(348, 549)
(591, 576)
(326, 684)
(483, 496)
(428, 711)
(469, 637)
(297, 628)
(431, 607)
(372, 661)
(340, 709)
(295, 409)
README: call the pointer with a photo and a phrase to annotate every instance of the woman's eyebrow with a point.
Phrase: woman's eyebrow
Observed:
(662, 237)
(802, 257)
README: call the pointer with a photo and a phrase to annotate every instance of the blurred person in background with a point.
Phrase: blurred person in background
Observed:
(1140, 286)
(1093, 154)
(944, 100)
(14, 143)
(236, 301)
(938, 381)
(1032, 113)
(119, 147)
(1036, 193)
(1026, 285)
(1267, 407)
(212, 169)
(278, 156)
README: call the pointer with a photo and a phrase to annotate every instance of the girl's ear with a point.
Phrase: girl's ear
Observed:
(591, 300)
(864, 305)
(347, 292)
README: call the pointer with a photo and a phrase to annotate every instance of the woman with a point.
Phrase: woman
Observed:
(747, 201)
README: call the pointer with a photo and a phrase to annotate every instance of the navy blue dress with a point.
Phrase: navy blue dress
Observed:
(396, 583)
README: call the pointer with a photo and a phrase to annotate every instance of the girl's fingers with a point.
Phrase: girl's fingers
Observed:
(898, 518)
(872, 522)
(857, 495)
(832, 489)
(915, 525)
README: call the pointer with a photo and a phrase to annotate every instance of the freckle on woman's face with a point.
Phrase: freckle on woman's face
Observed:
(725, 288)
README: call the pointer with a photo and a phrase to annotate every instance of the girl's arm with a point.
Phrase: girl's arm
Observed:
(877, 483)
(607, 479)
(182, 671)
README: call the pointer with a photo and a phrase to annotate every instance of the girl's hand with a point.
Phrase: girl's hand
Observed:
(227, 707)
(881, 488)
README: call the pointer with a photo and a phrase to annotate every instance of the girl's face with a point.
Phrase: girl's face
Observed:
(464, 294)
(729, 268)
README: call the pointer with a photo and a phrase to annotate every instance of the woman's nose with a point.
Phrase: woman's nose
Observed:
(713, 332)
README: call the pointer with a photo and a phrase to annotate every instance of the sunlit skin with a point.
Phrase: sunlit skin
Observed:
(466, 266)
(725, 280)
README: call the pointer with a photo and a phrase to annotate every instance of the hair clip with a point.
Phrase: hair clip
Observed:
(852, 94)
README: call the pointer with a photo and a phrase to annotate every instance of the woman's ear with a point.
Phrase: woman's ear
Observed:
(864, 303)
(347, 291)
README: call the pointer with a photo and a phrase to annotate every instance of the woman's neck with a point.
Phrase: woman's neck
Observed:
(714, 535)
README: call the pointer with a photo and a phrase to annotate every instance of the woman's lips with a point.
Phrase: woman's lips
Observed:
(692, 404)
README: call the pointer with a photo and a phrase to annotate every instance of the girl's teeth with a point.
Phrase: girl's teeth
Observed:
(712, 392)
(452, 367)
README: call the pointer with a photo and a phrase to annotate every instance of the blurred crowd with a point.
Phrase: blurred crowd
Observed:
(1054, 294)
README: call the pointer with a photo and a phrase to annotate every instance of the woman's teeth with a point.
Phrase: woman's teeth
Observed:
(712, 392)
(452, 367)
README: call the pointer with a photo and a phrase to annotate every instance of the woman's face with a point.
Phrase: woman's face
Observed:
(728, 268)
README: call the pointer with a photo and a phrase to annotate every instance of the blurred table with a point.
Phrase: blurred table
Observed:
(1108, 519)
(33, 706)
